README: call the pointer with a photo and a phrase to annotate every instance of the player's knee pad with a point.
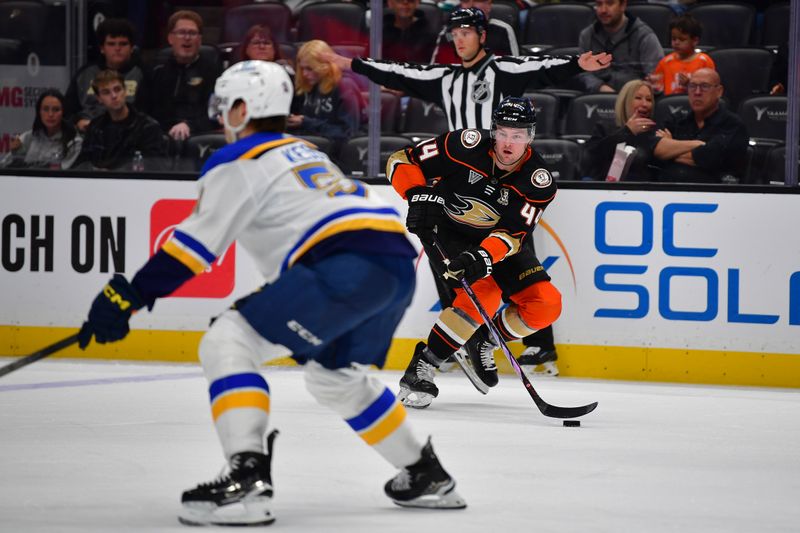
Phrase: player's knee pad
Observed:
(536, 307)
(489, 296)
(348, 391)
(231, 346)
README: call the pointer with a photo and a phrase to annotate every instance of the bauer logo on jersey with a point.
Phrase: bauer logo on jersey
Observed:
(470, 138)
(216, 282)
(541, 178)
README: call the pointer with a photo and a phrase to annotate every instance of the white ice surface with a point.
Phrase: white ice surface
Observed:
(109, 447)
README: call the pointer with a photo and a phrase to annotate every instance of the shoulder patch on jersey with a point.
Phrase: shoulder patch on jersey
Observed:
(541, 178)
(470, 138)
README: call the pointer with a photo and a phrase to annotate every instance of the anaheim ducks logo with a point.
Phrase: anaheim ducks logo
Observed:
(472, 212)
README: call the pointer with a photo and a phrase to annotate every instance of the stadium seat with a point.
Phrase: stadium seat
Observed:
(668, 107)
(275, 15)
(333, 22)
(322, 143)
(508, 12)
(23, 21)
(556, 24)
(391, 111)
(657, 16)
(353, 156)
(745, 72)
(424, 119)
(563, 157)
(546, 106)
(433, 15)
(725, 24)
(775, 29)
(765, 118)
(198, 149)
(584, 111)
(775, 169)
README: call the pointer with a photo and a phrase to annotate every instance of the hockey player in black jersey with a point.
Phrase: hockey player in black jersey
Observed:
(468, 93)
(483, 193)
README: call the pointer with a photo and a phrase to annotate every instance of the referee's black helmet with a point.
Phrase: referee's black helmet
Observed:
(468, 17)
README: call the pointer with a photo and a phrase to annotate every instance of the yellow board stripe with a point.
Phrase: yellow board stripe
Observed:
(388, 225)
(175, 250)
(257, 150)
(634, 363)
(237, 400)
(386, 426)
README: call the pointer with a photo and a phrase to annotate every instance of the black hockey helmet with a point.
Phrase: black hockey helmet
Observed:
(468, 17)
(514, 112)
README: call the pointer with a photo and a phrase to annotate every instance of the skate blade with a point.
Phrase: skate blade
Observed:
(463, 361)
(448, 500)
(548, 369)
(415, 400)
(252, 512)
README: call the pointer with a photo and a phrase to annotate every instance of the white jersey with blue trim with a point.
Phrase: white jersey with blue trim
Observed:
(281, 199)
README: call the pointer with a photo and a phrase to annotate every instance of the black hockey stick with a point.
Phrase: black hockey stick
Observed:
(553, 411)
(41, 354)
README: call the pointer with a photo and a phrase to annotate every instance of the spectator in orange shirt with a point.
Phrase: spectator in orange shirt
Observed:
(672, 73)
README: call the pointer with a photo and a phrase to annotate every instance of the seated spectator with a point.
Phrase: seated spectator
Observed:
(258, 43)
(325, 103)
(672, 73)
(500, 37)
(115, 39)
(182, 86)
(633, 44)
(52, 142)
(406, 33)
(707, 146)
(113, 138)
(635, 127)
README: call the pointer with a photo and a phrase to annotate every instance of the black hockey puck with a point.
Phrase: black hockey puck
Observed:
(572, 423)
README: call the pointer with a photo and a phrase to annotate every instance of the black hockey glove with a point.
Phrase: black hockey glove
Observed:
(110, 312)
(425, 211)
(471, 266)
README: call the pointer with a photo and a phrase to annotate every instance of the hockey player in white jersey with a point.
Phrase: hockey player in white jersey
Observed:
(339, 273)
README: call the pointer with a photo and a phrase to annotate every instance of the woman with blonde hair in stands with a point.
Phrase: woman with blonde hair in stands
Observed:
(326, 103)
(634, 126)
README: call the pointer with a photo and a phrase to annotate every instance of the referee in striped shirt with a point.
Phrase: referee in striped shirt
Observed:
(469, 92)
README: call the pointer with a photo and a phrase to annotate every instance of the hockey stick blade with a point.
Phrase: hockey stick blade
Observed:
(547, 409)
(41, 354)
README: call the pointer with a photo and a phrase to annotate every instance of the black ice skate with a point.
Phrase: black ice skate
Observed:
(417, 388)
(538, 362)
(424, 484)
(481, 354)
(242, 497)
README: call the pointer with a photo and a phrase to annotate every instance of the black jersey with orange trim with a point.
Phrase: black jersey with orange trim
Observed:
(482, 200)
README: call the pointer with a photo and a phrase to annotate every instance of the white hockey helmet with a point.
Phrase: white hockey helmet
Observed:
(263, 86)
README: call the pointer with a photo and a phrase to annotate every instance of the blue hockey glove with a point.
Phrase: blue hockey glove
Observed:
(425, 211)
(110, 313)
(471, 266)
